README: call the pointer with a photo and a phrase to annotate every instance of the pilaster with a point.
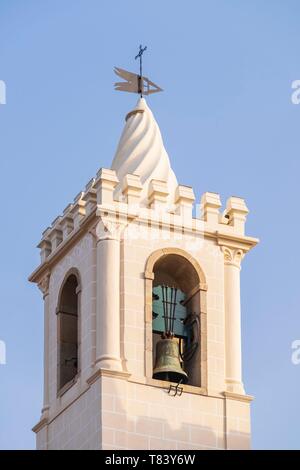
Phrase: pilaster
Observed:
(44, 288)
(233, 356)
(108, 326)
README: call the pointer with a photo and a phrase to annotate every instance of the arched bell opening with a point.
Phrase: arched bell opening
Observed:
(68, 331)
(176, 319)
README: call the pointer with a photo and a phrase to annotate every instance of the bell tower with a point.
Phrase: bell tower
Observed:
(141, 289)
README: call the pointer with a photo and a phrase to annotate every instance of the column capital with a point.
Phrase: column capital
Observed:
(232, 256)
(43, 285)
(232, 307)
(107, 228)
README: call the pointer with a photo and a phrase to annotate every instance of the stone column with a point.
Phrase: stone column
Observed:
(108, 296)
(232, 266)
(44, 287)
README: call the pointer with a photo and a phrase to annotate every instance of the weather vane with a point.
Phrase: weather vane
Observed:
(136, 83)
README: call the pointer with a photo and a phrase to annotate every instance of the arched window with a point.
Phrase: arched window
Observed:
(68, 331)
(176, 288)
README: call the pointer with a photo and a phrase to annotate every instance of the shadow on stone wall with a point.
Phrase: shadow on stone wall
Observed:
(121, 430)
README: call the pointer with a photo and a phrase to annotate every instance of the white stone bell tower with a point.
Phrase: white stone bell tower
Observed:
(104, 263)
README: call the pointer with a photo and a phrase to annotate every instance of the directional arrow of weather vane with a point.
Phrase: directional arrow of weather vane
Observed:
(136, 83)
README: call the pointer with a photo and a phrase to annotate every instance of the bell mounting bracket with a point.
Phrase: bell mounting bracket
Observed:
(175, 389)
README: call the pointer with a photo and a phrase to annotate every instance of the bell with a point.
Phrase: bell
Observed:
(167, 364)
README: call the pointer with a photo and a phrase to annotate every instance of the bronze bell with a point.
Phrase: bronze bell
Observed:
(167, 364)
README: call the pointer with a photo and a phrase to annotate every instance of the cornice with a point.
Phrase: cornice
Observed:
(232, 240)
(119, 213)
(40, 425)
(238, 397)
(108, 373)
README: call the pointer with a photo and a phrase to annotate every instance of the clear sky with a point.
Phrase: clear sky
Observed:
(228, 124)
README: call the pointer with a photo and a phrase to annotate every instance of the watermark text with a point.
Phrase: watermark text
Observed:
(2, 353)
(2, 92)
(296, 352)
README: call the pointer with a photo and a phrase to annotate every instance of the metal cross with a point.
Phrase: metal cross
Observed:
(139, 55)
(135, 83)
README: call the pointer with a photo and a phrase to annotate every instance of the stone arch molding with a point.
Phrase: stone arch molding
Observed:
(202, 286)
(75, 272)
(156, 255)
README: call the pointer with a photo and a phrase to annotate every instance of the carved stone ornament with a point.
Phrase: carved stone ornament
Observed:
(43, 285)
(107, 229)
(232, 256)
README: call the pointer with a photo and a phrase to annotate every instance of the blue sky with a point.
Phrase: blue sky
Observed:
(228, 124)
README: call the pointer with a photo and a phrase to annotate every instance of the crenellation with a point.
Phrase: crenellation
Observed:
(236, 211)
(67, 225)
(184, 200)
(78, 210)
(56, 221)
(210, 205)
(67, 209)
(131, 189)
(45, 245)
(78, 196)
(67, 222)
(158, 193)
(90, 196)
(89, 184)
(56, 234)
(105, 184)
(99, 191)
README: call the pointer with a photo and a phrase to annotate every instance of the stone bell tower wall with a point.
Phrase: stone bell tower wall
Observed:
(113, 247)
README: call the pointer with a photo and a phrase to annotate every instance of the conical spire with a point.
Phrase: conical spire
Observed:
(141, 151)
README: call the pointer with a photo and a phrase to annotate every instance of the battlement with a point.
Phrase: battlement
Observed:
(99, 196)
